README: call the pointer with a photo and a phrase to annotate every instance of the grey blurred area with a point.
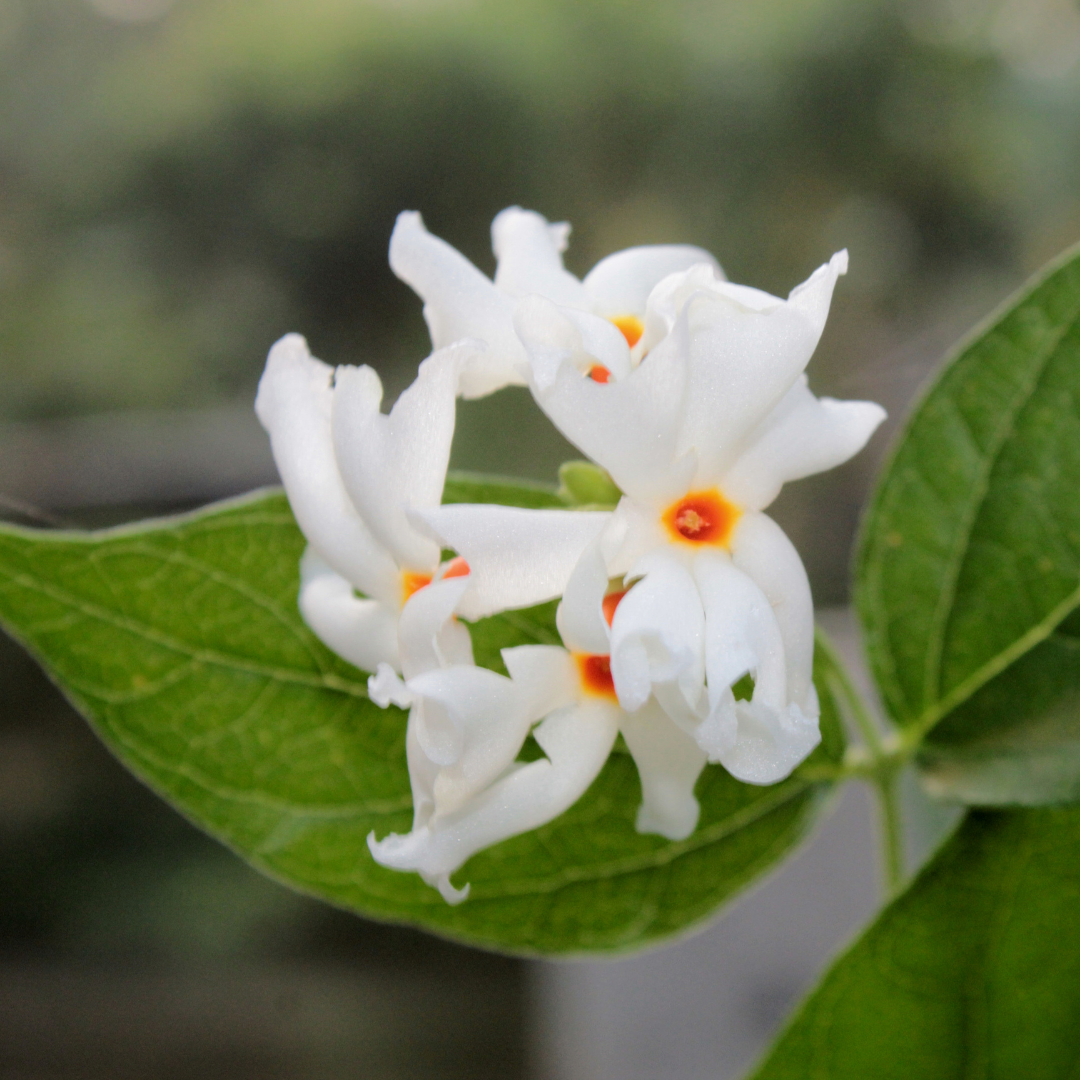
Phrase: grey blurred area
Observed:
(183, 181)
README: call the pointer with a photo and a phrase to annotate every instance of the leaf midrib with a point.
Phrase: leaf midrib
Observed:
(932, 689)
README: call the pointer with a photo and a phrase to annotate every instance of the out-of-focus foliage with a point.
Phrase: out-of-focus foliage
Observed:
(181, 183)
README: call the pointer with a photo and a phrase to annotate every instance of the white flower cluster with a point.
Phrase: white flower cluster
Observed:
(690, 392)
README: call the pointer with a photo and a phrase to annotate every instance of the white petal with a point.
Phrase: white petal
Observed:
(293, 404)
(553, 336)
(529, 253)
(580, 617)
(668, 762)
(545, 675)
(745, 350)
(634, 531)
(423, 628)
(770, 742)
(459, 302)
(762, 740)
(577, 741)
(364, 632)
(741, 631)
(620, 284)
(803, 435)
(629, 425)
(393, 463)
(760, 549)
(385, 688)
(488, 715)
(422, 771)
(657, 634)
(516, 557)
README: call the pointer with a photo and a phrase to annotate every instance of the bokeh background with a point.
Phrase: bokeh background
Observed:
(182, 181)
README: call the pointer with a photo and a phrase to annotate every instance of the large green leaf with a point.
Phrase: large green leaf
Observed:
(1016, 740)
(970, 554)
(181, 642)
(973, 972)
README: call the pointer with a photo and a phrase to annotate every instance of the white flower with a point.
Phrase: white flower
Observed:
(461, 302)
(352, 475)
(467, 726)
(700, 435)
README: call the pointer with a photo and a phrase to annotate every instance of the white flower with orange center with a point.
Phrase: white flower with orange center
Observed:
(352, 475)
(461, 302)
(699, 434)
(466, 730)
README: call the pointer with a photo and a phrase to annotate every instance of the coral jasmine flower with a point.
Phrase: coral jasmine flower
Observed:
(699, 435)
(467, 726)
(461, 302)
(352, 475)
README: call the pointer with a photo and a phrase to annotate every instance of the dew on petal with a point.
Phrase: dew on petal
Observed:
(595, 672)
(702, 517)
(412, 583)
(631, 328)
(611, 602)
(599, 373)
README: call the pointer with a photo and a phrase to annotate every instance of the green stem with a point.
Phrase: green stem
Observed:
(892, 830)
(860, 714)
(878, 761)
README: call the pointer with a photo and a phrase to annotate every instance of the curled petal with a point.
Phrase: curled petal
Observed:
(657, 636)
(620, 284)
(364, 632)
(770, 742)
(386, 688)
(487, 715)
(762, 551)
(459, 302)
(762, 740)
(294, 404)
(529, 253)
(629, 425)
(576, 740)
(580, 617)
(668, 762)
(555, 336)
(391, 463)
(516, 557)
(545, 675)
(744, 350)
(802, 436)
(428, 635)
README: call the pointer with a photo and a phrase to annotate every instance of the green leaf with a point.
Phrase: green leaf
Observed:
(970, 554)
(973, 972)
(581, 483)
(181, 642)
(1016, 741)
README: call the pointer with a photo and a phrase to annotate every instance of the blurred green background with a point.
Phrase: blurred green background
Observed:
(183, 181)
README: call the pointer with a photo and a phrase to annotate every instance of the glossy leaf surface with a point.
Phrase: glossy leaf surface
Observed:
(1017, 740)
(181, 642)
(970, 554)
(973, 972)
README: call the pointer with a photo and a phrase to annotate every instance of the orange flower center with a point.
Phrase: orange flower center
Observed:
(599, 373)
(595, 672)
(702, 517)
(412, 583)
(631, 328)
(611, 602)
